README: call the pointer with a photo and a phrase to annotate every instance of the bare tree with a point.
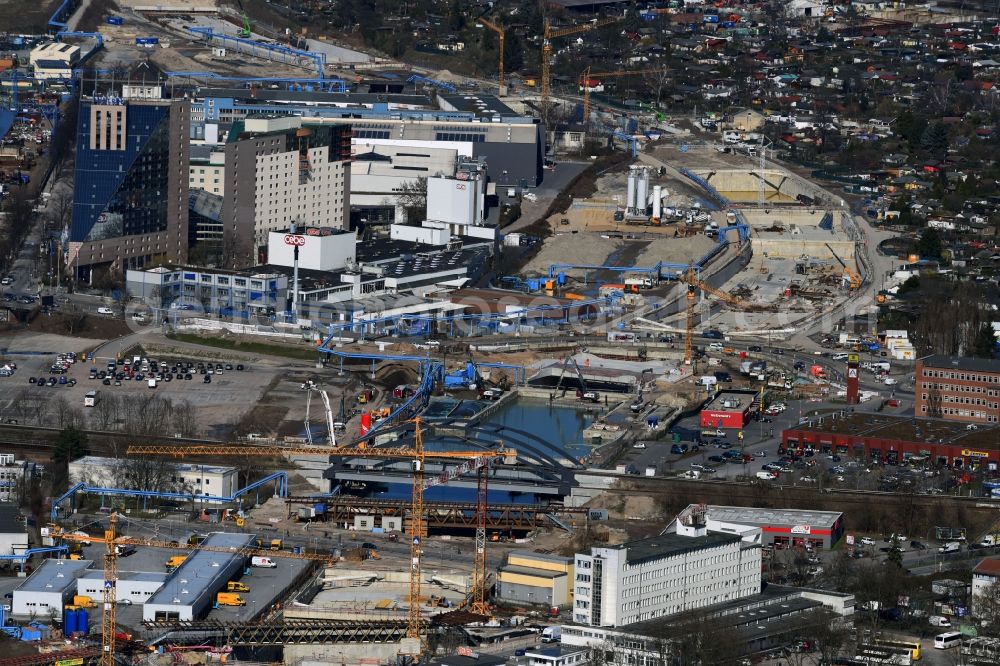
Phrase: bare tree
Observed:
(74, 319)
(106, 411)
(185, 420)
(145, 474)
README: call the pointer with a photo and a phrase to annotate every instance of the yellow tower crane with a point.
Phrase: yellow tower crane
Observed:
(474, 461)
(693, 282)
(587, 75)
(547, 38)
(502, 34)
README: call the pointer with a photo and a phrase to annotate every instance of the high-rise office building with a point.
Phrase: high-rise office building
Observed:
(130, 196)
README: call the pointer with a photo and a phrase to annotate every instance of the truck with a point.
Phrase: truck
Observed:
(83, 602)
(175, 562)
(276, 544)
(230, 599)
(551, 634)
(640, 282)
(950, 547)
(263, 562)
(989, 541)
(236, 586)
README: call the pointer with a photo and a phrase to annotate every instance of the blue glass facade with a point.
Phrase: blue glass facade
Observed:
(123, 192)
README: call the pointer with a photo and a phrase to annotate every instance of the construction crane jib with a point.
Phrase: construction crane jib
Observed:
(551, 34)
(478, 461)
(501, 34)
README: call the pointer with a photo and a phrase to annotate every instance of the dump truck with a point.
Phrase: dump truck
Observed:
(230, 599)
(236, 586)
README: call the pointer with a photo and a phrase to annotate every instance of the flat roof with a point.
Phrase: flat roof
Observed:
(333, 98)
(668, 545)
(478, 104)
(100, 461)
(55, 576)
(201, 570)
(757, 517)
(531, 571)
(759, 614)
(745, 398)
(556, 651)
(541, 557)
(141, 576)
(902, 428)
(961, 363)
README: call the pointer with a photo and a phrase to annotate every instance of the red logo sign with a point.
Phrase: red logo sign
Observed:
(295, 240)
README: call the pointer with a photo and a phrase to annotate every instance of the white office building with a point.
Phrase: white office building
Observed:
(663, 575)
(197, 479)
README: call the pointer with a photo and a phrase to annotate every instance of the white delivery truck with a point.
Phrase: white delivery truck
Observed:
(263, 562)
(551, 634)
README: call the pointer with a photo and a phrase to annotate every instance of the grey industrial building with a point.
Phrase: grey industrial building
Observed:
(188, 593)
(513, 145)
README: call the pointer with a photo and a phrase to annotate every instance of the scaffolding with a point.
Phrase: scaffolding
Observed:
(256, 49)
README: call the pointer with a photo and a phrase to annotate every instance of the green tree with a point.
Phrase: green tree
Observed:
(929, 245)
(935, 139)
(984, 344)
(71, 443)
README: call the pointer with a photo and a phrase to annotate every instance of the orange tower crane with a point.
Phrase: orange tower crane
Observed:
(474, 461)
(547, 38)
(587, 75)
(502, 34)
(693, 282)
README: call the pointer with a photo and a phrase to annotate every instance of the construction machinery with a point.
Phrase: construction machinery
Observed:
(310, 387)
(855, 279)
(547, 38)
(244, 31)
(694, 283)
(477, 462)
(583, 393)
(501, 34)
(587, 75)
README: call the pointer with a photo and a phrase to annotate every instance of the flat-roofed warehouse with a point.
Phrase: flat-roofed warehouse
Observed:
(778, 526)
(49, 588)
(188, 593)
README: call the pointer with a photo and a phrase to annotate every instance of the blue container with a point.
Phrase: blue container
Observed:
(83, 622)
(30, 634)
(561, 279)
(533, 284)
(69, 622)
(319, 508)
(115, 20)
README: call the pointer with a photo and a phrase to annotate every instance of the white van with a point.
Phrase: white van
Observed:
(767, 476)
(151, 383)
(716, 346)
(939, 621)
(264, 562)
(950, 547)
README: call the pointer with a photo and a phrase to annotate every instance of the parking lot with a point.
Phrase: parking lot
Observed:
(47, 383)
